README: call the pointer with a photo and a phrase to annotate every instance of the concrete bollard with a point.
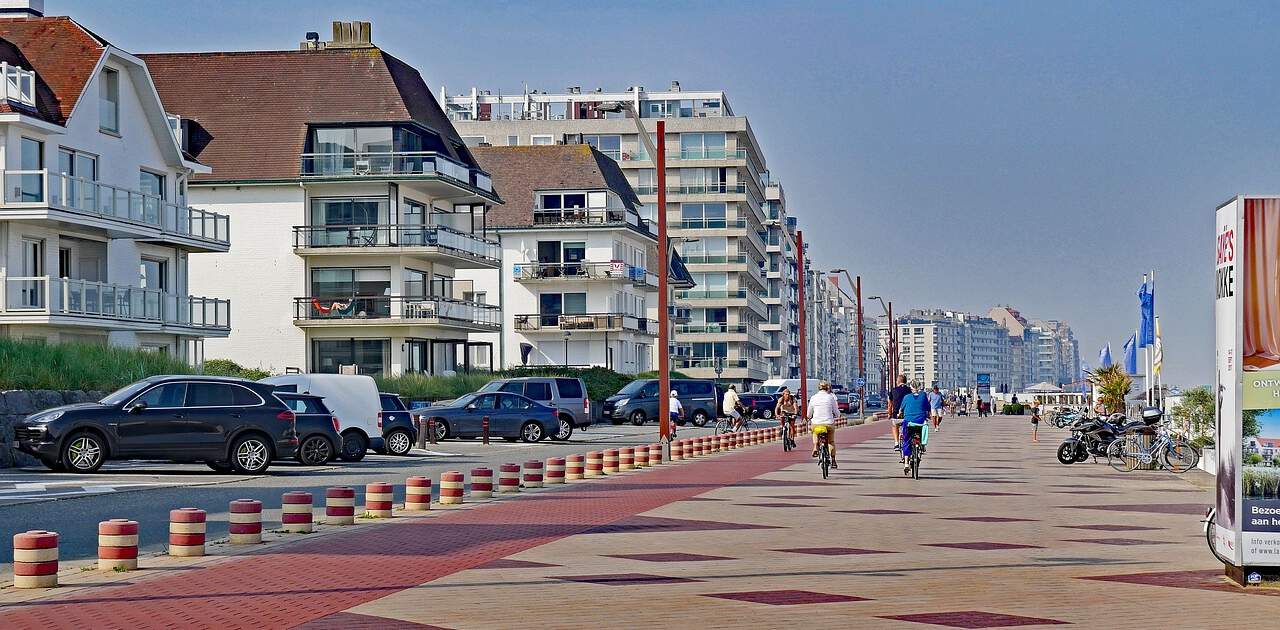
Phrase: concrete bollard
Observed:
(244, 521)
(186, 532)
(378, 497)
(610, 461)
(295, 513)
(555, 470)
(627, 458)
(573, 467)
(481, 484)
(35, 559)
(677, 450)
(451, 487)
(655, 454)
(532, 474)
(641, 456)
(508, 478)
(340, 506)
(417, 494)
(595, 464)
(118, 545)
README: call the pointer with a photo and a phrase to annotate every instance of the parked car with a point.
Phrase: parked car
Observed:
(844, 402)
(638, 401)
(355, 402)
(317, 428)
(511, 416)
(396, 423)
(232, 424)
(760, 405)
(568, 395)
(874, 401)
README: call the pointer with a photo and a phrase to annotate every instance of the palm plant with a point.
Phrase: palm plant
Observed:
(1113, 386)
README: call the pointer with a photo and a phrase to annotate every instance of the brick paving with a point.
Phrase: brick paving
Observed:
(695, 545)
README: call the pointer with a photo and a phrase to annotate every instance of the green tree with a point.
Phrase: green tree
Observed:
(1113, 386)
(1197, 412)
(1252, 459)
(1249, 423)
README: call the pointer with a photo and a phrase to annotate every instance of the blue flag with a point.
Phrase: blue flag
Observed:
(1104, 356)
(1147, 302)
(1131, 355)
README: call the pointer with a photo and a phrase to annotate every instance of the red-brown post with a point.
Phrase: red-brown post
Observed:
(664, 272)
(801, 266)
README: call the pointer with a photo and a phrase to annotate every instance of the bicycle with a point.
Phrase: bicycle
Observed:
(725, 425)
(824, 455)
(788, 425)
(917, 452)
(1126, 453)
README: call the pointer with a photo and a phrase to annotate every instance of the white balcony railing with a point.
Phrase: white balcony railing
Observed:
(405, 235)
(42, 295)
(19, 85)
(37, 188)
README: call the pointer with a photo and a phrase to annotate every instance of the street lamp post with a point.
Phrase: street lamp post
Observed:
(659, 156)
(891, 357)
(862, 371)
(566, 348)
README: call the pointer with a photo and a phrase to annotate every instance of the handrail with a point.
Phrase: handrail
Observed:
(366, 307)
(19, 84)
(396, 235)
(532, 322)
(382, 163)
(680, 154)
(73, 297)
(582, 270)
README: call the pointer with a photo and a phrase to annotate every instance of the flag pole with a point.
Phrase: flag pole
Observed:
(1146, 356)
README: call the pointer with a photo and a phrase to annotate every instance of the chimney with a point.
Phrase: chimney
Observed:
(675, 86)
(21, 8)
(351, 35)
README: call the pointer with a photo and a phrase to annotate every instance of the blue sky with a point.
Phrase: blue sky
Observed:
(957, 154)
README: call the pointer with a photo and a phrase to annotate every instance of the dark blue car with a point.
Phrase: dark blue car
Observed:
(511, 417)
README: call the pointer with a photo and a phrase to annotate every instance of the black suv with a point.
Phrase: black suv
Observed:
(396, 423)
(232, 424)
(317, 428)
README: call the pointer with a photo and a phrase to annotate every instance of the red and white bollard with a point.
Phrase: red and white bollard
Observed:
(595, 464)
(481, 484)
(186, 532)
(378, 497)
(118, 545)
(532, 474)
(417, 494)
(642, 456)
(610, 466)
(244, 521)
(35, 559)
(627, 458)
(677, 450)
(340, 506)
(508, 478)
(573, 467)
(452, 484)
(555, 470)
(295, 513)
(655, 454)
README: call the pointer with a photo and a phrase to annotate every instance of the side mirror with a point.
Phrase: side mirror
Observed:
(470, 407)
(137, 408)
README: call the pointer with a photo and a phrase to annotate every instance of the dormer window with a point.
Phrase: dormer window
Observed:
(109, 101)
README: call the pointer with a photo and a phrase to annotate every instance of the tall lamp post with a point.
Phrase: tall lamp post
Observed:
(862, 370)
(892, 356)
(659, 156)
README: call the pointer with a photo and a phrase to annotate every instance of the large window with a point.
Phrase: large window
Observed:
(351, 292)
(552, 305)
(109, 101)
(369, 355)
(344, 140)
(608, 145)
(698, 146)
(704, 215)
(152, 185)
(31, 186)
(154, 274)
(350, 211)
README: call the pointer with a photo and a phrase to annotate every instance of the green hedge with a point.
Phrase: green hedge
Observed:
(601, 383)
(38, 365)
(1015, 409)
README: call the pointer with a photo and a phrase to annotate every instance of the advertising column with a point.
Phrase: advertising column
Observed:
(1226, 313)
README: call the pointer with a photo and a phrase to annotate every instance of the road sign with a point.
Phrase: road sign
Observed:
(860, 383)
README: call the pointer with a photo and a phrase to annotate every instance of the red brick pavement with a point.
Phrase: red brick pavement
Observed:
(310, 580)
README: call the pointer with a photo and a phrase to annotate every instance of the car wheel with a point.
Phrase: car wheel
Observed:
(53, 464)
(700, 418)
(354, 446)
(250, 455)
(532, 432)
(222, 467)
(83, 452)
(637, 418)
(399, 443)
(767, 414)
(315, 451)
(442, 430)
(564, 430)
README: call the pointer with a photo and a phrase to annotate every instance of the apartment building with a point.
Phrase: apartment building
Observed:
(1057, 353)
(716, 200)
(579, 277)
(356, 204)
(782, 328)
(873, 358)
(950, 348)
(1022, 346)
(97, 240)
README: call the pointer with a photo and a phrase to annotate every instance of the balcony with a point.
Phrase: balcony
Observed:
(731, 368)
(583, 270)
(695, 189)
(393, 164)
(402, 239)
(590, 216)
(83, 302)
(389, 310)
(750, 332)
(133, 214)
(723, 297)
(681, 154)
(585, 322)
(19, 85)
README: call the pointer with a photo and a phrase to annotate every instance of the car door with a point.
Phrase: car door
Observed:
(147, 426)
(470, 419)
(512, 411)
(216, 411)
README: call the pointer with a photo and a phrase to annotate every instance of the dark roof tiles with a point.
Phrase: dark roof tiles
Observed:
(519, 172)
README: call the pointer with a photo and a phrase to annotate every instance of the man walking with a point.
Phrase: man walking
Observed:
(935, 408)
(895, 409)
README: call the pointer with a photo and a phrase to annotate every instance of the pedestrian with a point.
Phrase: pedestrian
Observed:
(936, 406)
(895, 409)
(677, 412)
(1035, 423)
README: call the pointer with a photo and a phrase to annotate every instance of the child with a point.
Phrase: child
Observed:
(1035, 423)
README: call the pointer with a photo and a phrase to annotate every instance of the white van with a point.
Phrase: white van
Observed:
(775, 385)
(354, 401)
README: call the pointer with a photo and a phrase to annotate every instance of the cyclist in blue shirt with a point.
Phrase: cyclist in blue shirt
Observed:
(915, 415)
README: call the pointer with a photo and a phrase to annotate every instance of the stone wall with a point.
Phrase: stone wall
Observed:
(17, 404)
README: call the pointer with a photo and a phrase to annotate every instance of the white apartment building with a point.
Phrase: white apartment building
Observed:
(716, 188)
(950, 348)
(96, 236)
(873, 356)
(782, 328)
(579, 263)
(356, 205)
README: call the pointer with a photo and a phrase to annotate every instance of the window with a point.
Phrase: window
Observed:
(508, 401)
(513, 141)
(569, 387)
(152, 187)
(77, 164)
(165, 396)
(64, 262)
(366, 289)
(487, 401)
(30, 185)
(211, 395)
(351, 211)
(701, 146)
(474, 141)
(608, 145)
(302, 405)
(154, 274)
(552, 305)
(538, 390)
(109, 101)
(369, 355)
(541, 140)
(705, 215)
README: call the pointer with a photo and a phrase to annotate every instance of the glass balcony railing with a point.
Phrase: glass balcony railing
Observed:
(694, 189)
(432, 309)
(700, 153)
(64, 192)
(589, 216)
(715, 259)
(711, 363)
(583, 270)
(19, 85)
(712, 223)
(85, 298)
(392, 163)
(541, 322)
(320, 236)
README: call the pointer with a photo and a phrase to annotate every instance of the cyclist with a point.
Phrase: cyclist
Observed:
(731, 405)
(677, 412)
(915, 415)
(895, 409)
(786, 410)
(823, 411)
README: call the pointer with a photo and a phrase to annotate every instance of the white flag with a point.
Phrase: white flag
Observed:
(1157, 354)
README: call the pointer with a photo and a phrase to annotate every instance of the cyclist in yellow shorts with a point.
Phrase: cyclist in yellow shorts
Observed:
(823, 411)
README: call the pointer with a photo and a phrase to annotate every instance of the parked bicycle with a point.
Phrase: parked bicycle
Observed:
(1161, 448)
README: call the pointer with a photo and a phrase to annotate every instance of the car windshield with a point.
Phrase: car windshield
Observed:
(633, 388)
(124, 393)
(464, 401)
(492, 386)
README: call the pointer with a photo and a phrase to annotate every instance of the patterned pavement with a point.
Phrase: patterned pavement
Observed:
(753, 538)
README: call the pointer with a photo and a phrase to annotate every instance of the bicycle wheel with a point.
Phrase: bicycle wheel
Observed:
(824, 459)
(915, 463)
(786, 439)
(1122, 454)
(1180, 457)
(723, 426)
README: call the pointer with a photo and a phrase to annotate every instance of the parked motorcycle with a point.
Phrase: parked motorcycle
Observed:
(1092, 435)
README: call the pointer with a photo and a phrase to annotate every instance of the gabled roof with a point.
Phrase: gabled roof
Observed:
(252, 109)
(63, 55)
(520, 172)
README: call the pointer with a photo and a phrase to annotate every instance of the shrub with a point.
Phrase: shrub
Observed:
(39, 365)
(601, 382)
(227, 367)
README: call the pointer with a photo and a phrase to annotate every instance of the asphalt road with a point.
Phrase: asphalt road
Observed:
(72, 505)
